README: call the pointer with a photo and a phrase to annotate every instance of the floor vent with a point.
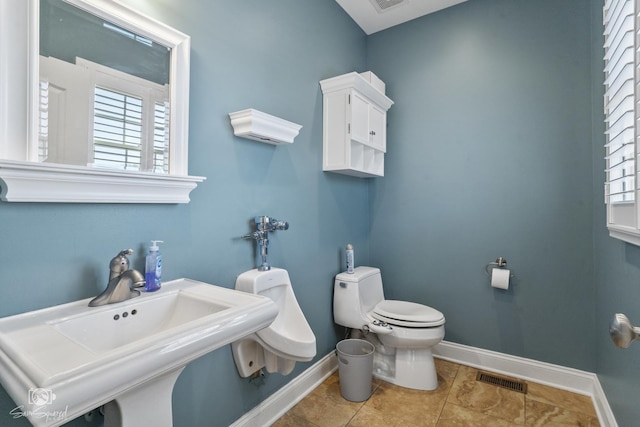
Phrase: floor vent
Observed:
(519, 386)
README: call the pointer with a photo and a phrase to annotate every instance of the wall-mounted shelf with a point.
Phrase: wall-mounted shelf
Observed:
(354, 124)
(263, 127)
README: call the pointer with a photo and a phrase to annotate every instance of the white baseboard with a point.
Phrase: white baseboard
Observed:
(574, 380)
(269, 410)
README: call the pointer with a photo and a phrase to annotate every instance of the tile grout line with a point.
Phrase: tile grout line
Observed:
(355, 414)
(362, 406)
(446, 400)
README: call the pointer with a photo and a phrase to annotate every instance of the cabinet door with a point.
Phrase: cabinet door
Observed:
(359, 118)
(377, 128)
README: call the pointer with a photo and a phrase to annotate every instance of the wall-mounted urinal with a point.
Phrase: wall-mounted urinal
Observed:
(288, 340)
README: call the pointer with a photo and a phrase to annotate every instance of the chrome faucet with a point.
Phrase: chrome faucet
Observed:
(122, 281)
(264, 225)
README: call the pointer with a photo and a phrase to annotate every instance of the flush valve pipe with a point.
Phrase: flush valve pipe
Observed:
(264, 225)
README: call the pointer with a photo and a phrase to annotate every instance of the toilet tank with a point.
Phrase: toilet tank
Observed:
(355, 295)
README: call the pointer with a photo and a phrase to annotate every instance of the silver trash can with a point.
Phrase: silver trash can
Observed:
(355, 368)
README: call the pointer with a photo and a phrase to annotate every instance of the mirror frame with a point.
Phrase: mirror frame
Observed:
(22, 178)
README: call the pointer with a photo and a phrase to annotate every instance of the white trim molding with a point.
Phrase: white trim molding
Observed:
(45, 182)
(269, 410)
(569, 379)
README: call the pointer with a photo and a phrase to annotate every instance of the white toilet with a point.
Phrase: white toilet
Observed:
(402, 332)
(288, 340)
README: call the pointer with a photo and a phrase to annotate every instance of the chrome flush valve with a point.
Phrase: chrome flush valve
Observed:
(264, 225)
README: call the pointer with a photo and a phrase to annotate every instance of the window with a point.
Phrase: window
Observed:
(117, 130)
(621, 78)
(130, 121)
(128, 118)
(119, 133)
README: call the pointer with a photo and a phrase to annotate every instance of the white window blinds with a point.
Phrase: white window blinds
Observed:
(121, 130)
(621, 111)
(619, 100)
(161, 138)
(43, 125)
(117, 130)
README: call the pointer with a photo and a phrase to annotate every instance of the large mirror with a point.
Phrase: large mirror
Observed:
(97, 105)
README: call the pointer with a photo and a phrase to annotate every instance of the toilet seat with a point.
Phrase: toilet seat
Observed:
(407, 314)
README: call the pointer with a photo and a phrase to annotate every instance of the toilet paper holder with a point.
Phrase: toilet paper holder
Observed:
(499, 263)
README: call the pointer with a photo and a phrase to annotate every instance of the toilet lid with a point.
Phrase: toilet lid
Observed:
(409, 314)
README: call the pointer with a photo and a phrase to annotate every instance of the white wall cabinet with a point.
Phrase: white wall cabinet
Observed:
(354, 125)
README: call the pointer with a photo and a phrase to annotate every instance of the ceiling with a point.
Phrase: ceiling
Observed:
(376, 15)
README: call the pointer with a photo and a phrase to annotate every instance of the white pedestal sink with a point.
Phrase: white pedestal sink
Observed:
(60, 362)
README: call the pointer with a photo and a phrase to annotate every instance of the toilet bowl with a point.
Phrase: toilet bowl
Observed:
(403, 332)
(289, 339)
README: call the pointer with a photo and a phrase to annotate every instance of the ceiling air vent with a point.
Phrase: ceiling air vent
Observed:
(385, 5)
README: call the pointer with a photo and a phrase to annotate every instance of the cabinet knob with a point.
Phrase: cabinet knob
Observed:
(372, 133)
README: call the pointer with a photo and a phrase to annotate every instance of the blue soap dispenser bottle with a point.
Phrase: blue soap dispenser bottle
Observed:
(153, 267)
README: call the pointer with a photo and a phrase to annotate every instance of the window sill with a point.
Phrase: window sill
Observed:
(40, 182)
(626, 234)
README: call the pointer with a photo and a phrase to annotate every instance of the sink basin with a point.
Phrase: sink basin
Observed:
(144, 320)
(60, 362)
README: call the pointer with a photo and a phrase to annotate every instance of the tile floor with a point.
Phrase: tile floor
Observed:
(459, 401)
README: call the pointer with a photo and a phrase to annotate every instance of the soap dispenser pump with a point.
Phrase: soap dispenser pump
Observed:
(153, 267)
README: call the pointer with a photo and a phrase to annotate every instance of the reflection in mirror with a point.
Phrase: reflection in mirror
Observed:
(80, 121)
(104, 93)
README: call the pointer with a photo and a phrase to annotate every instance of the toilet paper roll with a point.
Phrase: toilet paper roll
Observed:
(500, 278)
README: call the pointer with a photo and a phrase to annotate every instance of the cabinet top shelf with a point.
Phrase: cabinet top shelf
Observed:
(355, 81)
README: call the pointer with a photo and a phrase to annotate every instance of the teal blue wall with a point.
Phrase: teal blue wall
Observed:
(249, 54)
(495, 149)
(489, 155)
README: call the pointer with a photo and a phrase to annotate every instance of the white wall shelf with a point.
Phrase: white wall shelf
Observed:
(263, 127)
